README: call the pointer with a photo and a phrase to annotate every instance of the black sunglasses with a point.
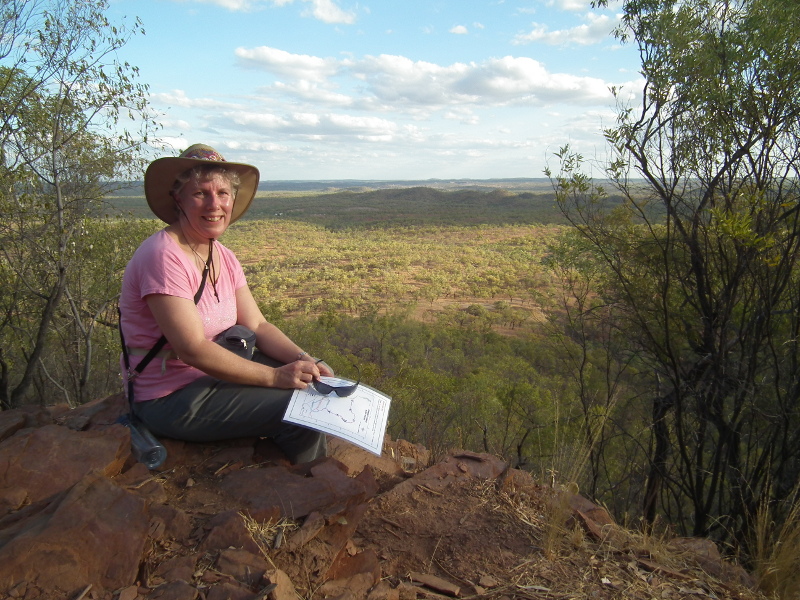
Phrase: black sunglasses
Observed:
(341, 390)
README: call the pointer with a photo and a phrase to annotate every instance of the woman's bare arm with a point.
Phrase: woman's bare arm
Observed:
(180, 323)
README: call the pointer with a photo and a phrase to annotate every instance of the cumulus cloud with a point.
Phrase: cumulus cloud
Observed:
(597, 29)
(316, 110)
(392, 82)
(571, 5)
(294, 66)
(179, 98)
(328, 12)
(459, 30)
(462, 115)
(396, 79)
(324, 10)
(256, 147)
(234, 5)
(179, 124)
(170, 145)
(313, 124)
(508, 80)
(311, 92)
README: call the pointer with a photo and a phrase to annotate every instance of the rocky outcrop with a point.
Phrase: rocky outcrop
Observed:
(81, 519)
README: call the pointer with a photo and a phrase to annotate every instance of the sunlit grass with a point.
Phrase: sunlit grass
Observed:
(777, 559)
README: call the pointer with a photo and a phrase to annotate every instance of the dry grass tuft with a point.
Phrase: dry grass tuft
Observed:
(268, 535)
(778, 554)
(627, 563)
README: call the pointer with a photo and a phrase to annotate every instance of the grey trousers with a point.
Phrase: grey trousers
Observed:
(212, 410)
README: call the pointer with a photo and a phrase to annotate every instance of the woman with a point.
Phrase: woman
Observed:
(196, 390)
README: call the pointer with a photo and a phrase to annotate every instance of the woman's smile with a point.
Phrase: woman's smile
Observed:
(205, 208)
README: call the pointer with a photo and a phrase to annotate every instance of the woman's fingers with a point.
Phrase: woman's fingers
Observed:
(298, 374)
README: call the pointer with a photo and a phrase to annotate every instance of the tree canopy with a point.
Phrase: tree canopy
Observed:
(700, 261)
(73, 120)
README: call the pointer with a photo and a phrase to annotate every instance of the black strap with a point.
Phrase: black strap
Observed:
(132, 374)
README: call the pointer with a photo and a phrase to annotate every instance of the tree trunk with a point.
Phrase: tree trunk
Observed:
(19, 392)
(658, 463)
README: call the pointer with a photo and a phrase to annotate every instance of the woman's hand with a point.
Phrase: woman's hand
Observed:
(324, 369)
(300, 373)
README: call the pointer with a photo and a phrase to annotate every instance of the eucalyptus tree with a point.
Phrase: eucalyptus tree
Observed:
(72, 121)
(700, 258)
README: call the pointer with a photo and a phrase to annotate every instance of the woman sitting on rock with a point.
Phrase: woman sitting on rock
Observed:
(194, 389)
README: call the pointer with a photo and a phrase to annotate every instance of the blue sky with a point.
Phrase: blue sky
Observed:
(388, 89)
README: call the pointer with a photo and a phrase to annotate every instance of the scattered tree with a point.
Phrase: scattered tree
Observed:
(72, 123)
(701, 254)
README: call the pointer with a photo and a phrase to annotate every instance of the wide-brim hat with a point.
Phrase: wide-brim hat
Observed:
(162, 173)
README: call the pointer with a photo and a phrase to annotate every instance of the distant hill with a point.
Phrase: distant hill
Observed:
(410, 206)
(136, 188)
(518, 183)
(351, 203)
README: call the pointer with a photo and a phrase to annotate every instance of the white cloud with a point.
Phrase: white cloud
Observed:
(368, 125)
(311, 92)
(596, 30)
(397, 80)
(260, 121)
(171, 145)
(572, 5)
(312, 124)
(326, 11)
(179, 124)
(390, 82)
(521, 80)
(234, 5)
(462, 115)
(459, 30)
(179, 98)
(378, 116)
(255, 146)
(294, 66)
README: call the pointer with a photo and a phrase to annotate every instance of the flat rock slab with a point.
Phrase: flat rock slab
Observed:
(94, 533)
(37, 463)
(265, 491)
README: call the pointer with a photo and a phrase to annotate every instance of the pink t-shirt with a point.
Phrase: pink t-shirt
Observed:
(159, 266)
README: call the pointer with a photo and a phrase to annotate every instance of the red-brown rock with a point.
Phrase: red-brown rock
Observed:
(262, 491)
(94, 533)
(37, 463)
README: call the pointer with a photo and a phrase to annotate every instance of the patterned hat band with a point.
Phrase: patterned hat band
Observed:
(201, 152)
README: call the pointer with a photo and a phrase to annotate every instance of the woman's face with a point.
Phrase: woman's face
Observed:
(205, 207)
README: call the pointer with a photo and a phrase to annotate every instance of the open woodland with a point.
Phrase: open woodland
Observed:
(445, 300)
(329, 262)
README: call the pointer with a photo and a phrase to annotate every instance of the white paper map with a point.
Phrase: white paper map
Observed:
(359, 418)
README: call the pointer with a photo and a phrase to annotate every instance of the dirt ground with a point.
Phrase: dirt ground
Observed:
(491, 542)
(466, 535)
(507, 537)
